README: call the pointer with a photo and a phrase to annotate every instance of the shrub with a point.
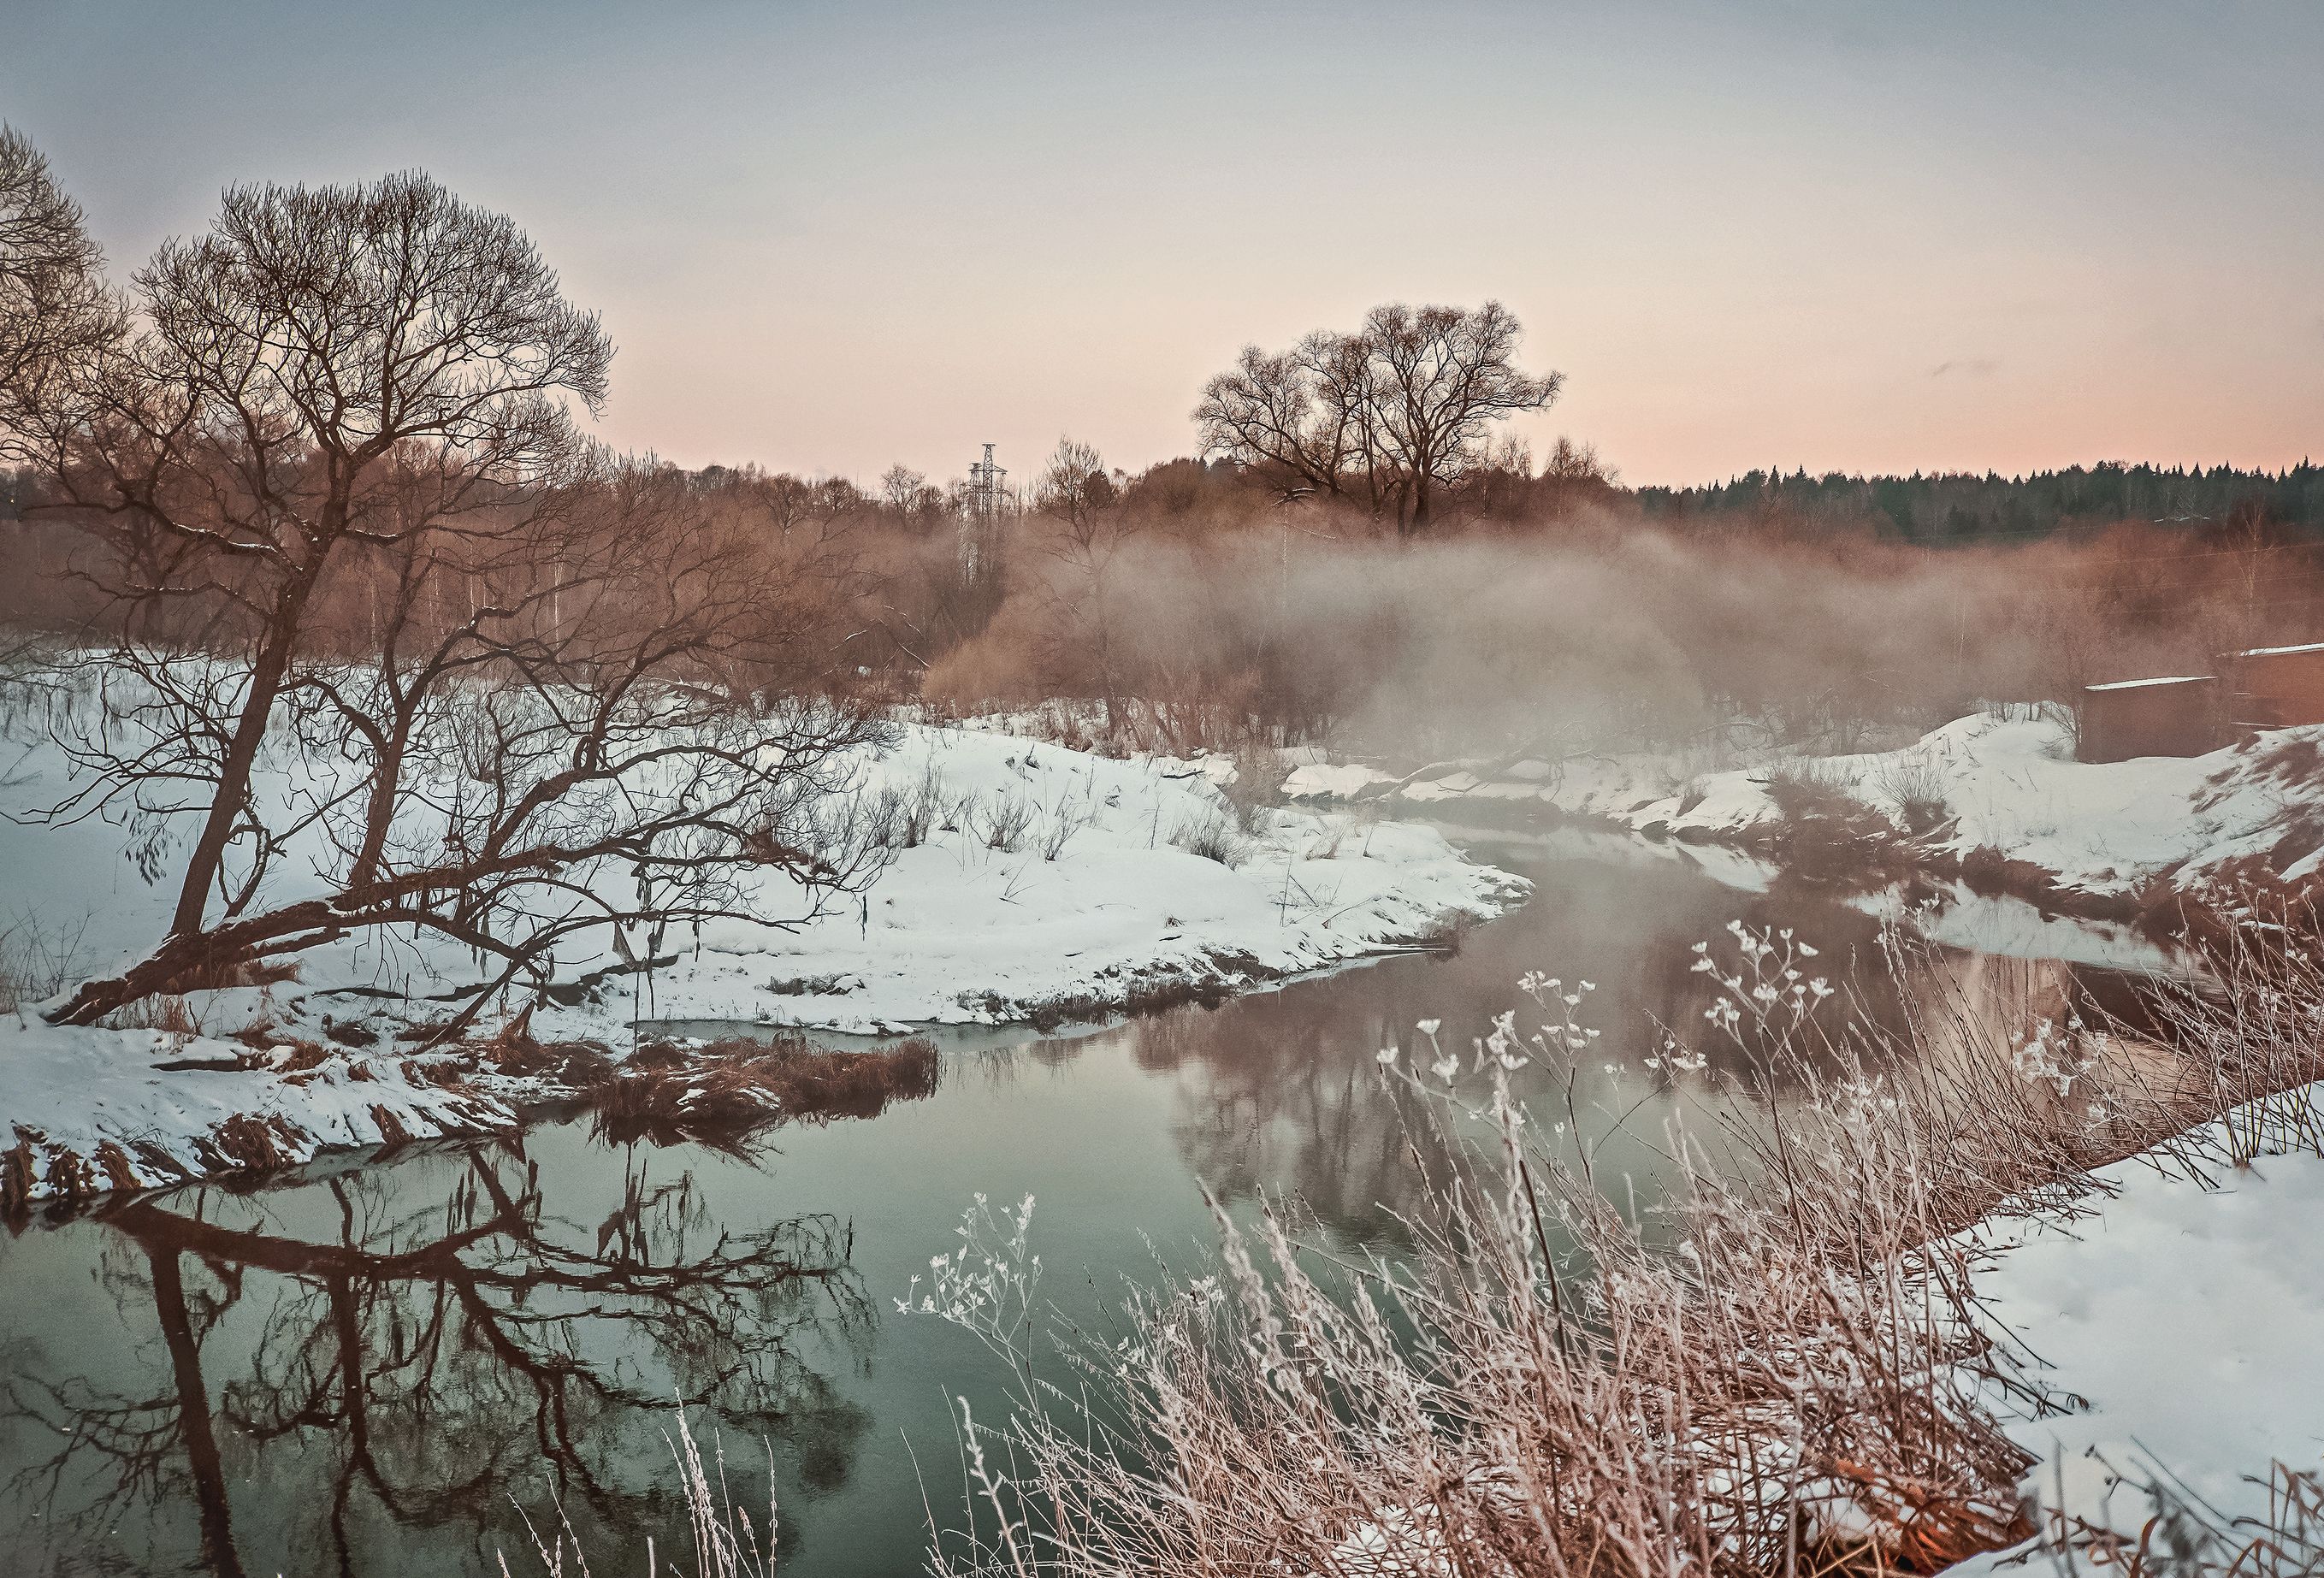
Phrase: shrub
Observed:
(1912, 781)
(1214, 834)
(726, 1091)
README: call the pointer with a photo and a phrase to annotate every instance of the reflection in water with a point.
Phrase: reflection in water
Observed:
(360, 1370)
(1278, 1094)
(400, 1372)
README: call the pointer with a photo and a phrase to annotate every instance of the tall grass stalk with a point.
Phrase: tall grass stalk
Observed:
(1782, 1370)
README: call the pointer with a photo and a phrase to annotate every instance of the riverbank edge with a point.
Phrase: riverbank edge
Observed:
(503, 1083)
(2180, 850)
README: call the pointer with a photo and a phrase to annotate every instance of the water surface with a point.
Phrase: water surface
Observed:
(380, 1366)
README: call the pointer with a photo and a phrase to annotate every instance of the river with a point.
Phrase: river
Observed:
(381, 1366)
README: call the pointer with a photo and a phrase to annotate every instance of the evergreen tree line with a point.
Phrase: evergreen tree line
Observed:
(1961, 507)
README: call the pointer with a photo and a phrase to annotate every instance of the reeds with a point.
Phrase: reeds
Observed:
(1781, 1371)
(725, 1092)
(36, 961)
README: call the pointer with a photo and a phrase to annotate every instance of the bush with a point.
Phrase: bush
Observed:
(1912, 781)
(727, 1091)
(1214, 834)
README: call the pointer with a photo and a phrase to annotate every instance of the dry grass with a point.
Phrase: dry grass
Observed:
(1917, 788)
(2187, 1538)
(727, 1091)
(1214, 834)
(1775, 1375)
(169, 1012)
(36, 961)
(1827, 834)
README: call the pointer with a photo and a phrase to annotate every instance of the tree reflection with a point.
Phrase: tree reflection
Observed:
(412, 1370)
(1279, 1092)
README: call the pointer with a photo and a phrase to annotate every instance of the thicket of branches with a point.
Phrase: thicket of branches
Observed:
(367, 635)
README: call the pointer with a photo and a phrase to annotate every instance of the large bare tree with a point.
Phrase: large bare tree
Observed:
(1402, 409)
(374, 602)
(53, 303)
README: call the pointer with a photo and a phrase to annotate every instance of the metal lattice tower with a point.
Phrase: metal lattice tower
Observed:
(981, 523)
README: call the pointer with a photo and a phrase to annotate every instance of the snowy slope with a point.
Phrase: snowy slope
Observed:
(2187, 1317)
(958, 931)
(82, 1110)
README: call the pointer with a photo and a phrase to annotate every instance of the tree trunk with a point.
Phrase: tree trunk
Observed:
(188, 959)
(203, 1460)
(233, 791)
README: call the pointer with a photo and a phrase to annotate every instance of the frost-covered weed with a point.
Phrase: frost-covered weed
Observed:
(727, 1543)
(1785, 1376)
(1767, 993)
(987, 1283)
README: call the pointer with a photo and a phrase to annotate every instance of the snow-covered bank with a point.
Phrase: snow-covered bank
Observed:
(1130, 879)
(2179, 1319)
(1999, 794)
(1027, 882)
(91, 1110)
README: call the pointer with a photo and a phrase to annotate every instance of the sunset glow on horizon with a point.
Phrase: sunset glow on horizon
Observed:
(825, 239)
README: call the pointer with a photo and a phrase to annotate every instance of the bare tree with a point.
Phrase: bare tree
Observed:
(1405, 406)
(1304, 413)
(52, 298)
(337, 499)
(1442, 377)
(1081, 501)
(906, 494)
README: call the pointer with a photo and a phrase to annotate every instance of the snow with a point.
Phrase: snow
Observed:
(2145, 684)
(1323, 781)
(80, 1095)
(1096, 902)
(2008, 785)
(1954, 917)
(957, 932)
(2184, 1312)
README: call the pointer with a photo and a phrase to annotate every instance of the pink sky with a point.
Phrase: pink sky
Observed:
(1773, 232)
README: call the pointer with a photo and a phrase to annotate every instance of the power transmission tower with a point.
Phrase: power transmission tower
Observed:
(979, 527)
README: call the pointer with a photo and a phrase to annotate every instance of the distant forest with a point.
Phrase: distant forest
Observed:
(1937, 508)
(1958, 507)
